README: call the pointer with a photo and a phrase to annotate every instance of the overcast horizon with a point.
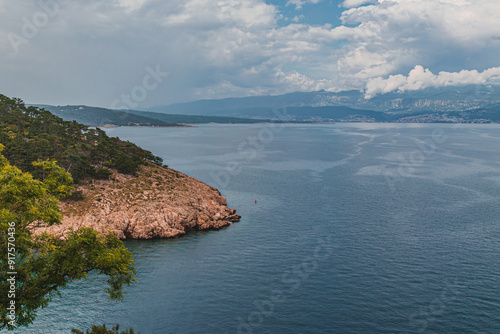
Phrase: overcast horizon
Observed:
(142, 53)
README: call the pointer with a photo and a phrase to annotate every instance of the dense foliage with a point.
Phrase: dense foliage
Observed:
(92, 116)
(202, 119)
(103, 330)
(35, 267)
(31, 134)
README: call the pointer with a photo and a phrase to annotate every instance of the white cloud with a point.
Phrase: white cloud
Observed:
(356, 3)
(420, 78)
(392, 36)
(226, 47)
(299, 3)
(212, 14)
(218, 48)
(131, 4)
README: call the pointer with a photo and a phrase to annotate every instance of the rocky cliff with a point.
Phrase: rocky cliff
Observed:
(157, 202)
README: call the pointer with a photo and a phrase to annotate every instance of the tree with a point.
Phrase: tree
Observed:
(59, 182)
(103, 330)
(35, 267)
(30, 133)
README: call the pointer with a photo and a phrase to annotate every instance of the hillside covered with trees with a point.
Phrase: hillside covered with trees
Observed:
(36, 266)
(102, 117)
(30, 134)
(92, 116)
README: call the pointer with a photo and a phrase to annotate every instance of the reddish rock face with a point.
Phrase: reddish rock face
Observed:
(156, 203)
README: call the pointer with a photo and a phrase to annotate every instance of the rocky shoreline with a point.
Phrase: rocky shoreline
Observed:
(158, 202)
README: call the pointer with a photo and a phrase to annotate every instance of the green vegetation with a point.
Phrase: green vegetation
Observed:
(31, 134)
(93, 116)
(35, 267)
(103, 330)
(200, 119)
(103, 173)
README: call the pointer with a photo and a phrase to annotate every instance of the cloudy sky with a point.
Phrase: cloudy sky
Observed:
(149, 52)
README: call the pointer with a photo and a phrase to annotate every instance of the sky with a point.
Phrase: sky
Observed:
(130, 54)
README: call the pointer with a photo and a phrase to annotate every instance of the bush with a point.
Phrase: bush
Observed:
(103, 173)
(30, 134)
(103, 330)
(127, 165)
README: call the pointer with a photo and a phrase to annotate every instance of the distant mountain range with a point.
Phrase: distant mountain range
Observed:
(200, 119)
(102, 117)
(465, 104)
(474, 104)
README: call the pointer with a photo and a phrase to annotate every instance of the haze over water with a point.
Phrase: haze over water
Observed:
(358, 228)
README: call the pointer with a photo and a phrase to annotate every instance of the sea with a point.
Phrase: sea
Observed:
(345, 228)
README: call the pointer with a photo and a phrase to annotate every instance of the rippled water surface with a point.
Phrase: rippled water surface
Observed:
(358, 228)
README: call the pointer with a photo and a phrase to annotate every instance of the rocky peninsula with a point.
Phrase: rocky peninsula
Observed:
(156, 202)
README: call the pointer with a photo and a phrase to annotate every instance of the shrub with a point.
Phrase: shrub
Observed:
(103, 173)
(103, 330)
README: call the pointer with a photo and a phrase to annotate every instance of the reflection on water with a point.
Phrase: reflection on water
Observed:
(411, 232)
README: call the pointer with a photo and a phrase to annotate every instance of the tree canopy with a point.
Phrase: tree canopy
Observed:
(31, 134)
(34, 267)
(95, 329)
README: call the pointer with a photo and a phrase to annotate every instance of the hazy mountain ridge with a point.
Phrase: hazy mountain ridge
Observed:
(99, 117)
(309, 114)
(468, 104)
(449, 104)
(198, 119)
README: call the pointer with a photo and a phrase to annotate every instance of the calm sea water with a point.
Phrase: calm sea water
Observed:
(358, 228)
